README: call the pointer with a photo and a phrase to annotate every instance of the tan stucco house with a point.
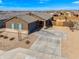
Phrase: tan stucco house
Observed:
(29, 23)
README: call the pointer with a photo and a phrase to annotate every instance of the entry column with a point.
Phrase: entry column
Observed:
(44, 24)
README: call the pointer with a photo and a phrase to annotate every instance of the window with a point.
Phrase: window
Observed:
(12, 26)
(20, 26)
(16, 26)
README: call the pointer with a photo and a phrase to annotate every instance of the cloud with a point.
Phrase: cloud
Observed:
(1, 1)
(43, 1)
(76, 2)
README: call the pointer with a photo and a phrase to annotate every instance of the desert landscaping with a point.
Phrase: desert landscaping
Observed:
(39, 35)
(10, 40)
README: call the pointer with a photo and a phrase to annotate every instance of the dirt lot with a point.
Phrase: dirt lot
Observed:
(9, 43)
(70, 47)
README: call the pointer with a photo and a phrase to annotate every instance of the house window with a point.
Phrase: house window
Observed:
(20, 26)
(17, 26)
(12, 26)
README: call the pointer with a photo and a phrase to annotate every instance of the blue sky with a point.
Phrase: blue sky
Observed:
(38, 4)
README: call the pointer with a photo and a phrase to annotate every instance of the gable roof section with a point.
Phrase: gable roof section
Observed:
(5, 17)
(27, 18)
(24, 17)
(8, 15)
(44, 16)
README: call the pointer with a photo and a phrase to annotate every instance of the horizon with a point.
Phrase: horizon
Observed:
(38, 5)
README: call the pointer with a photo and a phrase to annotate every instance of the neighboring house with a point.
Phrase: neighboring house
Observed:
(2, 23)
(3, 19)
(59, 21)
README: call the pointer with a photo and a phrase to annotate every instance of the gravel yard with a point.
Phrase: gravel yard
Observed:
(10, 40)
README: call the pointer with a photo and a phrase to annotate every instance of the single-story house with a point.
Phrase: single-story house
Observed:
(22, 23)
(28, 23)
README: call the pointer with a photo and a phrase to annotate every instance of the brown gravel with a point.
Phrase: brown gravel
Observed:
(12, 41)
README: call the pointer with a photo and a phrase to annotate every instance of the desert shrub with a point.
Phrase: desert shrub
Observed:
(71, 25)
(5, 37)
(1, 35)
(12, 38)
(27, 42)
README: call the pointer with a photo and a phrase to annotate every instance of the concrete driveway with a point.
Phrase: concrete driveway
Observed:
(70, 46)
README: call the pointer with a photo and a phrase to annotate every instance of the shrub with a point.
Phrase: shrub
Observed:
(27, 42)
